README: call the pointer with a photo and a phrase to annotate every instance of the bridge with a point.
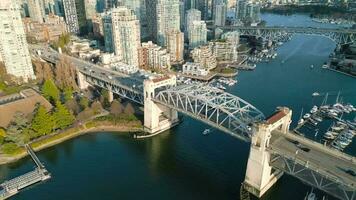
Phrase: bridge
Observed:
(13, 186)
(339, 36)
(273, 148)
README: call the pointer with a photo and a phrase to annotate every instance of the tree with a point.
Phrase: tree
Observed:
(62, 117)
(16, 127)
(42, 122)
(129, 110)
(73, 106)
(50, 91)
(43, 71)
(84, 103)
(96, 107)
(2, 135)
(65, 74)
(116, 108)
(85, 114)
(67, 94)
(104, 98)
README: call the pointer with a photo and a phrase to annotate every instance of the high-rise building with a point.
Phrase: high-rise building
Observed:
(191, 15)
(151, 19)
(126, 35)
(36, 10)
(139, 8)
(167, 19)
(58, 8)
(13, 45)
(107, 29)
(90, 9)
(49, 6)
(214, 3)
(70, 14)
(81, 15)
(241, 10)
(197, 34)
(109, 4)
(220, 14)
(253, 12)
(175, 45)
(182, 15)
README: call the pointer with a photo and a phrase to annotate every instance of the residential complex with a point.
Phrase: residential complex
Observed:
(70, 14)
(153, 56)
(197, 34)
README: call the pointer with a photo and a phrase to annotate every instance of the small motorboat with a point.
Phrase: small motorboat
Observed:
(315, 94)
(206, 131)
(306, 116)
(329, 136)
(301, 121)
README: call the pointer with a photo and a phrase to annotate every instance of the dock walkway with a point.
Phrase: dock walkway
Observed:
(13, 186)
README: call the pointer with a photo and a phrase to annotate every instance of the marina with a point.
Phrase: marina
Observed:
(338, 116)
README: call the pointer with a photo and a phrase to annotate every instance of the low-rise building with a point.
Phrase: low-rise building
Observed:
(50, 30)
(152, 56)
(194, 69)
(204, 56)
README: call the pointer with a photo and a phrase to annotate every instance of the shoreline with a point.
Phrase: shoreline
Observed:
(40, 144)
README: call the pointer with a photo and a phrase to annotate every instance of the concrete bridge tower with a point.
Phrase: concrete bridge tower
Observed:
(82, 82)
(259, 174)
(158, 118)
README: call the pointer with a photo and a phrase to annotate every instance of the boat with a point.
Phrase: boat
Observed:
(301, 121)
(206, 131)
(314, 109)
(317, 118)
(337, 128)
(310, 196)
(335, 145)
(324, 66)
(312, 66)
(329, 136)
(306, 116)
(313, 122)
(315, 94)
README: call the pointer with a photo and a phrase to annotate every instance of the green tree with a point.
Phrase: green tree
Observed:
(42, 122)
(2, 135)
(62, 117)
(84, 103)
(67, 94)
(50, 91)
(15, 129)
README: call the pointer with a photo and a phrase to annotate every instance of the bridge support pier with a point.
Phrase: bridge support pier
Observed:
(110, 96)
(82, 83)
(158, 118)
(259, 174)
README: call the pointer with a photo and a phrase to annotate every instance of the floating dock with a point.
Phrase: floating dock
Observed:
(13, 186)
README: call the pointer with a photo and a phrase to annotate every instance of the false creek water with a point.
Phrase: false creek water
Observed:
(182, 163)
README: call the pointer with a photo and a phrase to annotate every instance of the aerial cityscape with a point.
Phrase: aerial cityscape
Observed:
(178, 99)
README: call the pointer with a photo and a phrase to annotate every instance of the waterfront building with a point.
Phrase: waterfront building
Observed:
(232, 37)
(197, 34)
(223, 51)
(204, 56)
(175, 46)
(191, 15)
(194, 69)
(153, 56)
(220, 14)
(70, 13)
(107, 29)
(50, 30)
(253, 12)
(126, 35)
(13, 45)
(36, 10)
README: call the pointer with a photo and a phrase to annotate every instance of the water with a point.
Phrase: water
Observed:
(182, 163)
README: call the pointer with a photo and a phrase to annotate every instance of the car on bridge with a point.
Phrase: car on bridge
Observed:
(350, 172)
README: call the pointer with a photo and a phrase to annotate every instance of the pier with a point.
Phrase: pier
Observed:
(13, 186)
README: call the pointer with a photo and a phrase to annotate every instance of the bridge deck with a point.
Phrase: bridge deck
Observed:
(322, 166)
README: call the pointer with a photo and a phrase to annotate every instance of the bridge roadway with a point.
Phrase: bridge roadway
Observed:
(321, 166)
(286, 28)
(133, 82)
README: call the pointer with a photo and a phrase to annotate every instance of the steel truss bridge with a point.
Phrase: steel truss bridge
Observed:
(339, 36)
(225, 112)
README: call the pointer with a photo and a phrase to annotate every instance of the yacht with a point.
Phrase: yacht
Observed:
(329, 135)
(312, 66)
(206, 131)
(315, 94)
(301, 121)
(314, 109)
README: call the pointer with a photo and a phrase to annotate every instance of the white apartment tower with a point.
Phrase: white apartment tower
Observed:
(126, 35)
(191, 15)
(168, 19)
(13, 45)
(36, 10)
(197, 34)
(71, 17)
